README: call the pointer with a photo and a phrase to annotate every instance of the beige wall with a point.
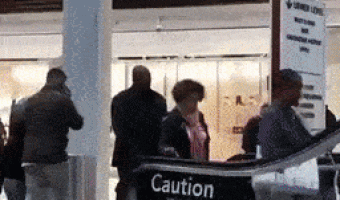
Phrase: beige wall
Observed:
(333, 66)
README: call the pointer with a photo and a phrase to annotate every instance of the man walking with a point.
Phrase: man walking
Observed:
(136, 120)
(48, 115)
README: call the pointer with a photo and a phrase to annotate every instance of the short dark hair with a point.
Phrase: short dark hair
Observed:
(185, 88)
(291, 78)
(56, 73)
(290, 75)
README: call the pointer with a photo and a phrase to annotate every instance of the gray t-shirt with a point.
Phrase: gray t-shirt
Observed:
(281, 133)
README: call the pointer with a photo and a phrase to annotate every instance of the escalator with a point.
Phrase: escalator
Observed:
(179, 179)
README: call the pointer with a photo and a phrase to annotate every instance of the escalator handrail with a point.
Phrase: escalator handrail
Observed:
(324, 141)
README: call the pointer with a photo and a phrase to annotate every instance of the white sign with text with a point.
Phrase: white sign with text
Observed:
(303, 38)
(303, 35)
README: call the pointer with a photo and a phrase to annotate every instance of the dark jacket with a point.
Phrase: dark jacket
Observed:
(48, 116)
(15, 143)
(2, 134)
(174, 134)
(136, 121)
(250, 133)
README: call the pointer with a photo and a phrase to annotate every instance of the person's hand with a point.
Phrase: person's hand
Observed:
(169, 151)
(66, 91)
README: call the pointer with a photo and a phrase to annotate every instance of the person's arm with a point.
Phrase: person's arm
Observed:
(2, 135)
(299, 134)
(269, 136)
(165, 145)
(17, 130)
(164, 108)
(246, 142)
(116, 121)
(75, 120)
(249, 133)
(207, 141)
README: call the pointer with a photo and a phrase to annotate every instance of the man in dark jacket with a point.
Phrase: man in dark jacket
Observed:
(2, 136)
(48, 116)
(14, 184)
(136, 121)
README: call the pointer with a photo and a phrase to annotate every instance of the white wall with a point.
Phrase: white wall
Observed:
(31, 46)
(194, 42)
(31, 35)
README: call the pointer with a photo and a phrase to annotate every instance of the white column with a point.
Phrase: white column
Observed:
(87, 53)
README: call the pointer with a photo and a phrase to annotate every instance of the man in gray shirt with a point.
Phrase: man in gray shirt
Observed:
(281, 131)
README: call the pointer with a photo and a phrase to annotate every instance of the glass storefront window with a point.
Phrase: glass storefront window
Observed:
(19, 80)
(235, 90)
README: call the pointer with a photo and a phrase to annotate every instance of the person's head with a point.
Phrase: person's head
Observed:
(141, 77)
(290, 89)
(187, 93)
(56, 76)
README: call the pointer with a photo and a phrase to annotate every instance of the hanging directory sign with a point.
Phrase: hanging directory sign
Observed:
(302, 42)
(303, 35)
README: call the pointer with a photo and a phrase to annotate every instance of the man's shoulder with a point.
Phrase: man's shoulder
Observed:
(50, 97)
(273, 113)
(156, 94)
(121, 95)
(158, 97)
(131, 93)
(173, 117)
(57, 96)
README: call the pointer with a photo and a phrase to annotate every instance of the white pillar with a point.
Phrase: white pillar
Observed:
(87, 53)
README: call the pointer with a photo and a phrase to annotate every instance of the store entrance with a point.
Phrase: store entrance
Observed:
(235, 90)
(19, 79)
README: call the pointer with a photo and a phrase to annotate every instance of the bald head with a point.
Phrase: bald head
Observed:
(56, 76)
(141, 76)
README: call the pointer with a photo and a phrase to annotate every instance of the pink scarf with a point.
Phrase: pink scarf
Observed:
(197, 136)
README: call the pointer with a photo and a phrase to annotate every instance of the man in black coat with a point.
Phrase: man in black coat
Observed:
(136, 121)
(3, 134)
(14, 185)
